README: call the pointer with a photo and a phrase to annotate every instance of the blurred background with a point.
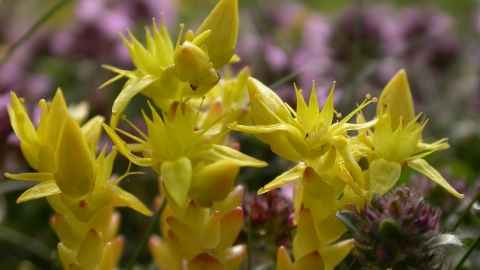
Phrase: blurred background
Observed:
(359, 44)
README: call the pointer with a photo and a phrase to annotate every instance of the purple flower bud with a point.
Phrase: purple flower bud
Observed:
(394, 232)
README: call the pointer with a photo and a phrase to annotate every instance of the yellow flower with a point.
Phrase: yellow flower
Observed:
(397, 139)
(177, 149)
(192, 64)
(223, 22)
(165, 73)
(80, 178)
(203, 237)
(310, 250)
(38, 145)
(304, 134)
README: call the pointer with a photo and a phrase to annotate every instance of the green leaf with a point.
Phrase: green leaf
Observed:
(348, 219)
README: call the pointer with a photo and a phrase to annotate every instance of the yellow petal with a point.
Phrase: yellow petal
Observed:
(46, 158)
(127, 199)
(316, 185)
(91, 131)
(21, 123)
(163, 44)
(230, 226)
(67, 257)
(213, 182)
(272, 111)
(43, 189)
(234, 199)
(107, 261)
(383, 175)
(205, 261)
(219, 152)
(397, 96)
(233, 257)
(306, 239)
(312, 260)
(69, 236)
(123, 148)
(57, 114)
(177, 177)
(75, 172)
(334, 254)
(223, 22)
(285, 178)
(211, 232)
(132, 88)
(90, 252)
(329, 230)
(424, 168)
(195, 216)
(283, 260)
(37, 177)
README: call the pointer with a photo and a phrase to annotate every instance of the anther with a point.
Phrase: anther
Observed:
(42, 104)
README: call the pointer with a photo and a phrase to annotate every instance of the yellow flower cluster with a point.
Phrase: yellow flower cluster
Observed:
(77, 185)
(186, 144)
(334, 167)
(203, 237)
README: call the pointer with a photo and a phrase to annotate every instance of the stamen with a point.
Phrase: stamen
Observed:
(268, 109)
(214, 123)
(198, 110)
(42, 104)
(22, 100)
(189, 36)
(131, 136)
(124, 117)
(292, 111)
(180, 35)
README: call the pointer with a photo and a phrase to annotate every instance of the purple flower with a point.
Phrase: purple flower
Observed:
(399, 231)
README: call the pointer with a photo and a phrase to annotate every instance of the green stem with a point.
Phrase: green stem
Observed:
(464, 214)
(287, 78)
(465, 257)
(351, 265)
(32, 30)
(145, 238)
(34, 246)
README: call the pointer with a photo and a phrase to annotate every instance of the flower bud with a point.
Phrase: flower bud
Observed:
(223, 22)
(398, 231)
(397, 97)
(192, 64)
(213, 182)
